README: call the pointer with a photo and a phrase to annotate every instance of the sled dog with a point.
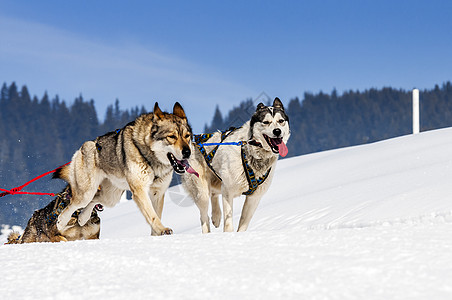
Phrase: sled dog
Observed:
(235, 170)
(42, 225)
(140, 157)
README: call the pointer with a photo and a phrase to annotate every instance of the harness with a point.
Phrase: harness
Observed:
(253, 182)
(202, 138)
(251, 177)
(61, 202)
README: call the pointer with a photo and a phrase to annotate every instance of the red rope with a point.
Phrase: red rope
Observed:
(17, 190)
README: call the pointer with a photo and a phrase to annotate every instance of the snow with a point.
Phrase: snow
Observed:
(366, 222)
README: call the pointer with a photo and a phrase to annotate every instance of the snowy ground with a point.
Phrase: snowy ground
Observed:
(367, 222)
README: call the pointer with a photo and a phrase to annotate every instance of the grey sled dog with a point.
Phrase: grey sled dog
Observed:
(140, 157)
(228, 171)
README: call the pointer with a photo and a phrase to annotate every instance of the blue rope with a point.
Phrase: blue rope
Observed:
(222, 144)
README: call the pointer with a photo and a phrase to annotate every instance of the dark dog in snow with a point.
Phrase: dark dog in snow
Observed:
(42, 225)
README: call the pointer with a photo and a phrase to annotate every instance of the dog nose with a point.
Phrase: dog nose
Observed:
(186, 152)
(277, 132)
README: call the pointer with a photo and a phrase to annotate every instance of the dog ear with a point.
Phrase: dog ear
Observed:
(260, 106)
(157, 111)
(179, 111)
(278, 104)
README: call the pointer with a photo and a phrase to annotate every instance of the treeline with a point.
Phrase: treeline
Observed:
(327, 121)
(38, 135)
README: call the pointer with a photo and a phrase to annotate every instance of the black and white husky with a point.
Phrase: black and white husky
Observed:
(232, 170)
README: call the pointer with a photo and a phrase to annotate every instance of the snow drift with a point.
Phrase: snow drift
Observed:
(370, 221)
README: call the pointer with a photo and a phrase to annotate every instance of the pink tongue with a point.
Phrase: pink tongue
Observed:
(282, 148)
(192, 171)
(189, 169)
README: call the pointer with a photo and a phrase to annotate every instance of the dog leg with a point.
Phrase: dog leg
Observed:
(65, 216)
(227, 213)
(198, 189)
(249, 207)
(201, 196)
(216, 211)
(143, 202)
(85, 215)
(202, 202)
(84, 179)
(157, 202)
(78, 201)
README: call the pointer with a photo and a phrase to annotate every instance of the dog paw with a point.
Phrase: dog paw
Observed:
(58, 238)
(60, 226)
(83, 218)
(228, 228)
(167, 231)
(216, 220)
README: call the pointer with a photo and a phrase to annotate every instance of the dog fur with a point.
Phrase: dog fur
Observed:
(267, 125)
(140, 157)
(42, 227)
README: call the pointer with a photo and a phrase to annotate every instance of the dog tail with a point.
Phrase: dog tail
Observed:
(14, 238)
(62, 173)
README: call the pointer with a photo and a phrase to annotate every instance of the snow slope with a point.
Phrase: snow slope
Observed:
(366, 222)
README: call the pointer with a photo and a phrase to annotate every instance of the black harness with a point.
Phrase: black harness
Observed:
(63, 199)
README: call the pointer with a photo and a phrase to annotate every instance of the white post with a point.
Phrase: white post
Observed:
(415, 111)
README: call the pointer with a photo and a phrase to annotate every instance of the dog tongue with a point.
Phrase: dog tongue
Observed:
(189, 169)
(282, 148)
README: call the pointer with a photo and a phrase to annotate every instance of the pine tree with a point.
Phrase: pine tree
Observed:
(109, 121)
(217, 121)
(4, 94)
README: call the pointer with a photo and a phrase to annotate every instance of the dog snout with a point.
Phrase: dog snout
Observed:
(186, 152)
(277, 132)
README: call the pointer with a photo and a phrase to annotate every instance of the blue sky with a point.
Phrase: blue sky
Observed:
(204, 53)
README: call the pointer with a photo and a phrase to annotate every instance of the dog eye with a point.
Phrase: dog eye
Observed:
(187, 136)
(281, 121)
(172, 137)
(266, 122)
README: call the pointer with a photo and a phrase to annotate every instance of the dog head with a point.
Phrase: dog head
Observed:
(172, 136)
(270, 127)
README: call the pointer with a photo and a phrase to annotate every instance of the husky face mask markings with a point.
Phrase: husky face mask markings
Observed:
(234, 171)
(270, 126)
